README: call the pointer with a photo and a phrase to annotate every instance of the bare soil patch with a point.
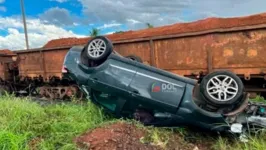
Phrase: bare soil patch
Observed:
(126, 136)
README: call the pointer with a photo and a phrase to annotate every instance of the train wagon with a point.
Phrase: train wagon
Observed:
(7, 59)
(8, 69)
(189, 49)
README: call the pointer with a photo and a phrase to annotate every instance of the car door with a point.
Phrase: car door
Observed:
(156, 90)
(113, 77)
(109, 83)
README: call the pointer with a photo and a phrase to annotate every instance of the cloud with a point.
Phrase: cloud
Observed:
(59, 1)
(110, 32)
(58, 16)
(2, 1)
(2, 8)
(38, 33)
(133, 21)
(136, 13)
(226, 8)
(8, 22)
(109, 25)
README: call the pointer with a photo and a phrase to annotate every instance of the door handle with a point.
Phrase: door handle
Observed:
(135, 92)
(94, 80)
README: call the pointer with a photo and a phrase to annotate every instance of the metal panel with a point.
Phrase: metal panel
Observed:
(30, 64)
(182, 54)
(44, 63)
(4, 61)
(240, 50)
(2, 68)
(141, 49)
(53, 62)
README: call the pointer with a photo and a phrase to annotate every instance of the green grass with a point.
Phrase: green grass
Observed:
(259, 99)
(52, 127)
(24, 122)
(256, 142)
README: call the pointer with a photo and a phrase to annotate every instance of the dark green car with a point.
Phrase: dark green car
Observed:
(128, 88)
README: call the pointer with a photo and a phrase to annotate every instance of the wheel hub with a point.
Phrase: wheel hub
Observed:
(96, 48)
(222, 88)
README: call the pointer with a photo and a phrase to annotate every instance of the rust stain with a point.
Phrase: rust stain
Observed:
(242, 51)
(228, 53)
(146, 63)
(166, 54)
(229, 39)
(189, 60)
(182, 53)
(254, 37)
(252, 53)
(240, 54)
(179, 62)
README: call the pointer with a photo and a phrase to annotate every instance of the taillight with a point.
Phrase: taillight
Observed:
(64, 69)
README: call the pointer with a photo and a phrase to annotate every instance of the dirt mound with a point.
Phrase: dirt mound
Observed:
(117, 136)
(6, 52)
(126, 136)
(207, 24)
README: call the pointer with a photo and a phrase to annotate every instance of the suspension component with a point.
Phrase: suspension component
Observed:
(60, 92)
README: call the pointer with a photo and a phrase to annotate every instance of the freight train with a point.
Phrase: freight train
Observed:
(189, 49)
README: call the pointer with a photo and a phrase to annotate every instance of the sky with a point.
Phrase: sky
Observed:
(53, 19)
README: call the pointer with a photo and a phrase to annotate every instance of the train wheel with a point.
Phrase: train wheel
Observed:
(73, 91)
(222, 88)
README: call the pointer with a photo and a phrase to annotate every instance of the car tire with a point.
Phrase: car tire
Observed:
(222, 88)
(135, 58)
(98, 49)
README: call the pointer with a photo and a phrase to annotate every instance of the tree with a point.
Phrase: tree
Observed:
(94, 32)
(149, 25)
(119, 31)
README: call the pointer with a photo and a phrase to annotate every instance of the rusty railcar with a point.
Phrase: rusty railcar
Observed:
(3, 68)
(188, 49)
(8, 69)
(40, 74)
(7, 64)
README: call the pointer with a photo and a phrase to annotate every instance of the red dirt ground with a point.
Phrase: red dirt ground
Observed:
(114, 137)
(178, 28)
(123, 136)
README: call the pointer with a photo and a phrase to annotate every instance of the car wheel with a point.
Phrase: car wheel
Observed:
(98, 48)
(135, 58)
(222, 88)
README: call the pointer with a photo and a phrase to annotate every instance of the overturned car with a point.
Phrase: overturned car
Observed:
(128, 88)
